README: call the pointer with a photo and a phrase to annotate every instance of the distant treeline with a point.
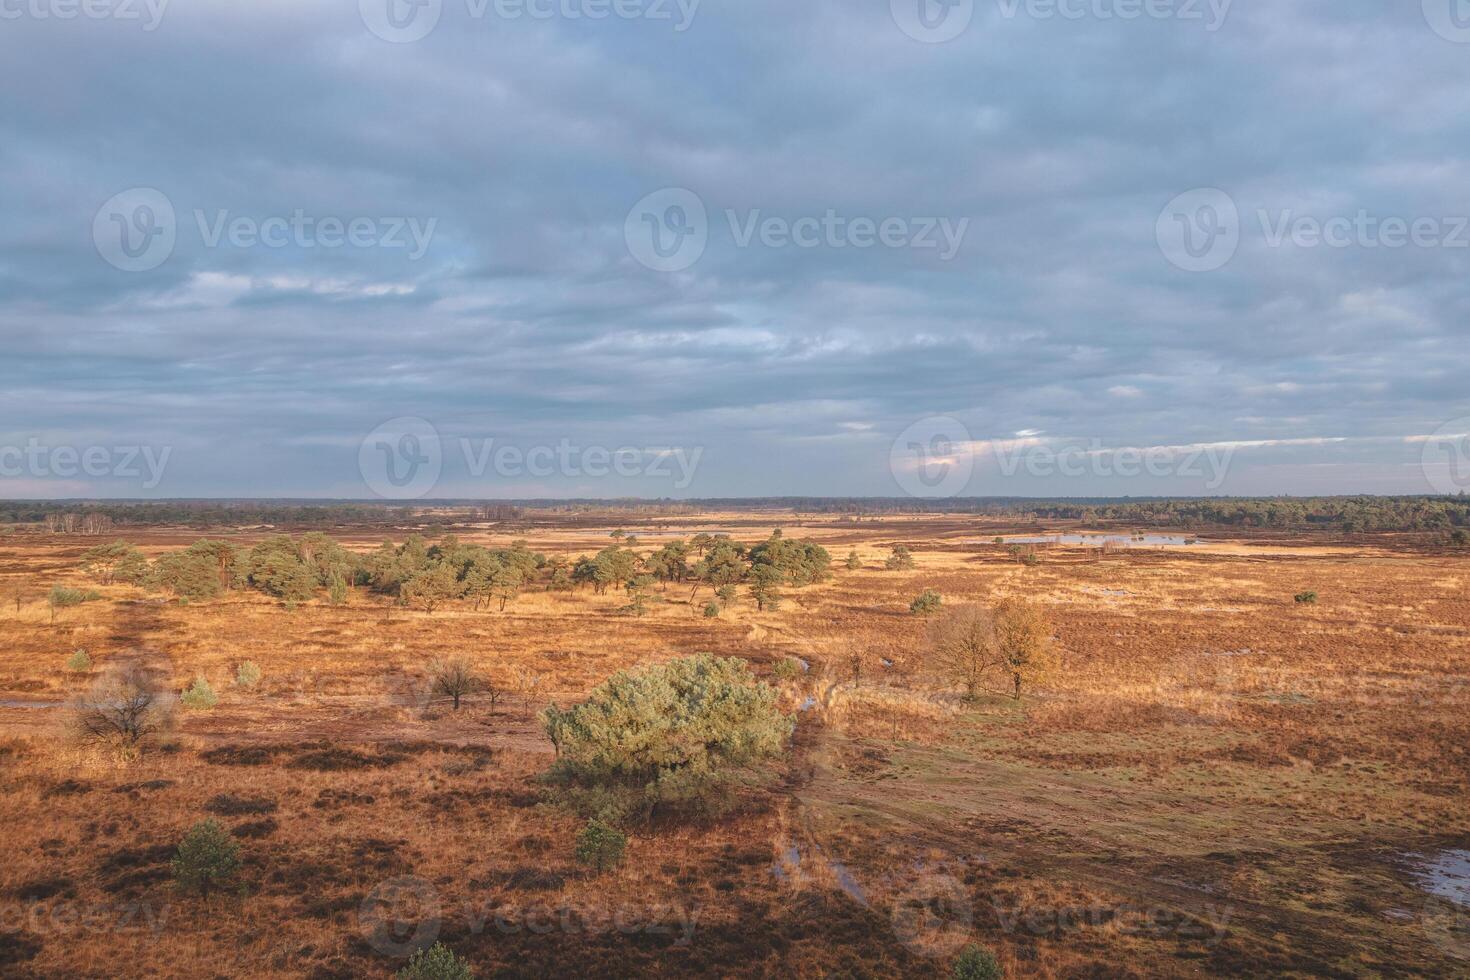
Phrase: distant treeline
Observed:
(1346, 514)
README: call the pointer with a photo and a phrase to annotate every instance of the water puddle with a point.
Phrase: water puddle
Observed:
(1098, 540)
(1445, 874)
(4, 703)
(789, 869)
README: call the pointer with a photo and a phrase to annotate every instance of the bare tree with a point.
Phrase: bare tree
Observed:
(455, 679)
(962, 645)
(124, 707)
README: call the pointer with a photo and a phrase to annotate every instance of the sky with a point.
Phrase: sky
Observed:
(409, 249)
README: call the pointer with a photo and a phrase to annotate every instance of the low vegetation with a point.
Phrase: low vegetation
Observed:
(673, 735)
(208, 858)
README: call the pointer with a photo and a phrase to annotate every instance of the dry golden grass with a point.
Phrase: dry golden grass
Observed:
(1208, 746)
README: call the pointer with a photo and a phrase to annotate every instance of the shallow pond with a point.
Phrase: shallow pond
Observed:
(1445, 874)
(1098, 540)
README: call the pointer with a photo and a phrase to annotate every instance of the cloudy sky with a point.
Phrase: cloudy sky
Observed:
(503, 248)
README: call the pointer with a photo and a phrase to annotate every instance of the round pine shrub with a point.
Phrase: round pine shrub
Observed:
(977, 963)
(601, 845)
(438, 962)
(928, 602)
(199, 696)
(79, 662)
(247, 675)
(207, 857)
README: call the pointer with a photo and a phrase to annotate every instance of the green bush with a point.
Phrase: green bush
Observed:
(673, 733)
(1306, 598)
(711, 610)
(601, 846)
(247, 675)
(208, 857)
(79, 662)
(977, 963)
(1460, 537)
(786, 668)
(900, 560)
(199, 696)
(438, 962)
(928, 602)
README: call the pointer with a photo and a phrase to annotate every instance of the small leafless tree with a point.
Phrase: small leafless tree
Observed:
(124, 707)
(455, 679)
(494, 691)
(962, 646)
